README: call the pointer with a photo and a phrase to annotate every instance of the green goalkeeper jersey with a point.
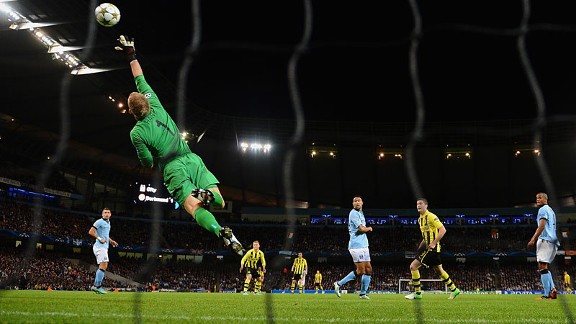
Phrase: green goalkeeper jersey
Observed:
(156, 137)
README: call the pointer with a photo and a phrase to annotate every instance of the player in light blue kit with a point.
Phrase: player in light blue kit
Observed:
(358, 247)
(100, 230)
(546, 244)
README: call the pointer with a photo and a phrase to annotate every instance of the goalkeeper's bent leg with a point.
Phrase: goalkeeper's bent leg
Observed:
(206, 220)
(218, 201)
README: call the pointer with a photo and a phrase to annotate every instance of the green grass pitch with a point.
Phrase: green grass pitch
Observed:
(129, 307)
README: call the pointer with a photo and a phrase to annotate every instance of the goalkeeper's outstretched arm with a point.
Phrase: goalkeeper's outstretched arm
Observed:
(126, 45)
(136, 68)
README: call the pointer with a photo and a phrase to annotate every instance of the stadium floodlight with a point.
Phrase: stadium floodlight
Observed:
(255, 147)
(83, 69)
(58, 51)
(24, 24)
(57, 48)
(315, 150)
(12, 15)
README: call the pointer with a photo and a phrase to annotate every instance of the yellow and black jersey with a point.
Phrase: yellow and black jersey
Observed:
(299, 265)
(429, 226)
(318, 278)
(251, 258)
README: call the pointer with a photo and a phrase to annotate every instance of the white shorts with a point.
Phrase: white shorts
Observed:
(100, 253)
(360, 255)
(545, 251)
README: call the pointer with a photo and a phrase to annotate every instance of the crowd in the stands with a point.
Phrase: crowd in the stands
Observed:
(62, 269)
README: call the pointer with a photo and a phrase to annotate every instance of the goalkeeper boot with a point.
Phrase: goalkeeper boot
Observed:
(197, 193)
(364, 296)
(455, 293)
(205, 196)
(94, 289)
(231, 241)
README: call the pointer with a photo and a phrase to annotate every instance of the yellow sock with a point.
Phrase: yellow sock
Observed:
(246, 284)
(444, 276)
(416, 281)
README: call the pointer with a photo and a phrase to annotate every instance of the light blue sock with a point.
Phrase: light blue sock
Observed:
(365, 283)
(100, 274)
(551, 280)
(545, 278)
(351, 276)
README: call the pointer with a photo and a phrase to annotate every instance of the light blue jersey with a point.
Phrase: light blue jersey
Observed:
(102, 227)
(358, 239)
(549, 233)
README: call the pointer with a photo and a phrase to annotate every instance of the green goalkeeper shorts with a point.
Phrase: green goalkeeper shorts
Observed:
(186, 173)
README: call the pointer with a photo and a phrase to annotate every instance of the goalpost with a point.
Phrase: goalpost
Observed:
(434, 286)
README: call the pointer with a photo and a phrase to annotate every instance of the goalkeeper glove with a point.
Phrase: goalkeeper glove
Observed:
(127, 46)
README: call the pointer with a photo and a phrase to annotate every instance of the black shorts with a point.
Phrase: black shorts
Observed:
(430, 259)
(297, 276)
(317, 285)
(253, 272)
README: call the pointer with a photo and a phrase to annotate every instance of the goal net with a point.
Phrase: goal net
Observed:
(436, 286)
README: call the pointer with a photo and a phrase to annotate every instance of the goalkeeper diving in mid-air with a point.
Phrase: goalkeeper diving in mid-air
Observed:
(157, 138)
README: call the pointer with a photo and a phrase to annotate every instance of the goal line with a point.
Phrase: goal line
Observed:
(434, 285)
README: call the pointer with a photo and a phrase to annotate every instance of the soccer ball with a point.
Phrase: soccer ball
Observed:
(107, 14)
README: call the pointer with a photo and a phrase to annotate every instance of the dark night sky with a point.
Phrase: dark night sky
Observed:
(356, 66)
(469, 62)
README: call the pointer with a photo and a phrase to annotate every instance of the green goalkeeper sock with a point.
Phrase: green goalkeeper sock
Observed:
(205, 219)
(218, 200)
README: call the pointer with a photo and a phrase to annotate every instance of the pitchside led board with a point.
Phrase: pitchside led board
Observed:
(147, 194)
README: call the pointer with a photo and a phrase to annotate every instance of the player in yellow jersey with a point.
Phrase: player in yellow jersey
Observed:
(259, 282)
(318, 282)
(567, 286)
(250, 263)
(429, 251)
(299, 270)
